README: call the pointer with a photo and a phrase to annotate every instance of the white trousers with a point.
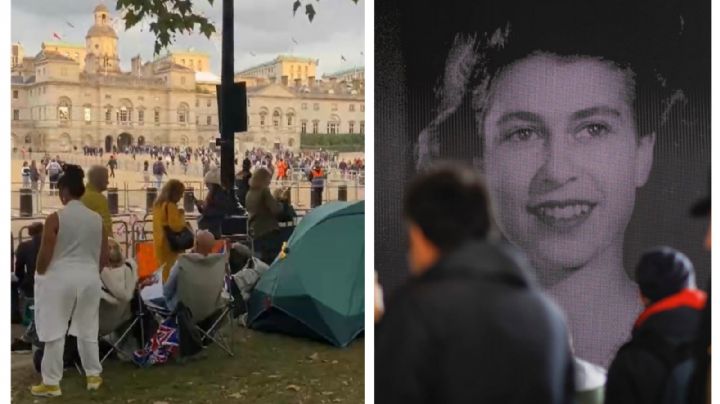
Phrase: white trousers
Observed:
(52, 361)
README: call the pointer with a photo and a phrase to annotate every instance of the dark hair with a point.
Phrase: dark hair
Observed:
(654, 46)
(35, 229)
(450, 204)
(72, 180)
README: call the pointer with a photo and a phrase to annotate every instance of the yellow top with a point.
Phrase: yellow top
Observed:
(97, 202)
(166, 214)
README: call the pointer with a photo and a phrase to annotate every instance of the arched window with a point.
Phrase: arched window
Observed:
(263, 118)
(290, 117)
(333, 125)
(183, 113)
(64, 109)
(28, 139)
(276, 119)
(108, 113)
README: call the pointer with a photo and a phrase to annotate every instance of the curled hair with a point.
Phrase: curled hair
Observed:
(646, 42)
(172, 191)
(72, 180)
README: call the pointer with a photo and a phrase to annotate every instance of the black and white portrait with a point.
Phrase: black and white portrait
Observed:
(589, 119)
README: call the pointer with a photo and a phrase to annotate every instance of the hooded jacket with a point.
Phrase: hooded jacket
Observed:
(637, 375)
(474, 328)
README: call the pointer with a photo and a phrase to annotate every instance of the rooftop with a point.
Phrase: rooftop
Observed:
(62, 45)
(281, 58)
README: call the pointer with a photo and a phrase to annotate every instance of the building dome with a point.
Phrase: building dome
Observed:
(101, 8)
(101, 31)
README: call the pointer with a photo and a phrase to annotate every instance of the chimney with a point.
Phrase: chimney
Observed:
(311, 81)
(136, 63)
(284, 80)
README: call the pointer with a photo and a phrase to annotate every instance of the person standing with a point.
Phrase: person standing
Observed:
(167, 214)
(93, 197)
(53, 170)
(73, 250)
(25, 173)
(471, 326)
(158, 172)
(112, 165)
(650, 367)
(34, 175)
(146, 174)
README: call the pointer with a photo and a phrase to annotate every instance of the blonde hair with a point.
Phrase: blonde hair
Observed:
(115, 258)
(172, 191)
(260, 178)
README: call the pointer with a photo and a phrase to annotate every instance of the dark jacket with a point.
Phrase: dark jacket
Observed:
(25, 258)
(214, 213)
(637, 374)
(473, 329)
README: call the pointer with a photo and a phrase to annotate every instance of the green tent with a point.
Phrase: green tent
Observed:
(317, 289)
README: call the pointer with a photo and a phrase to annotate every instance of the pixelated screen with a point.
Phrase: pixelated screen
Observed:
(589, 119)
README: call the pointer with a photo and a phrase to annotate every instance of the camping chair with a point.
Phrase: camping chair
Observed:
(136, 321)
(215, 302)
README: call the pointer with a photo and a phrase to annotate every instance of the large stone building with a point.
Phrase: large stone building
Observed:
(73, 96)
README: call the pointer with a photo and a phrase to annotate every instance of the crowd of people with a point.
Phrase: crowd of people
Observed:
(472, 325)
(81, 287)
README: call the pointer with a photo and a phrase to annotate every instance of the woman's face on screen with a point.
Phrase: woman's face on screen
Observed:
(562, 157)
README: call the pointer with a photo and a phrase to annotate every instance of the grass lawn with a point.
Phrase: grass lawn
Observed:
(267, 368)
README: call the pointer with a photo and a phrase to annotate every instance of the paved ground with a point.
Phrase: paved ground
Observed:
(132, 195)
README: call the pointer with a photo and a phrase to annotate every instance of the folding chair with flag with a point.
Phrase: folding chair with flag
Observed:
(203, 289)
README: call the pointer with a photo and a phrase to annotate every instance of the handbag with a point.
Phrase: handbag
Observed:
(178, 240)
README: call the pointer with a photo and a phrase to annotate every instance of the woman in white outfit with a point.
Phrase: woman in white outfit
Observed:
(73, 250)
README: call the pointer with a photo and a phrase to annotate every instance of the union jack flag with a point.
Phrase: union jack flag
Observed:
(161, 347)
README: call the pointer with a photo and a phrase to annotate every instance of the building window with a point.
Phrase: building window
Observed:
(362, 107)
(124, 115)
(108, 114)
(332, 128)
(334, 107)
(316, 107)
(16, 114)
(182, 114)
(141, 116)
(209, 102)
(276, 119)
(362, 127)
(209, 120)
(351, 127)
(15, 94)
(182, 80)
(157, 116)
(108, 96)
(351, 108)
(303, 127)
(290, 119)
(316, 123)
(304, 106)
(87, 114)
(64, 110)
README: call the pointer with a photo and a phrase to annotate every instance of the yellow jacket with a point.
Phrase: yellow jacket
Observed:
(166, 214)
(95, 201)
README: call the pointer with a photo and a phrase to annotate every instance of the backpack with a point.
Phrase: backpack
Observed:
(679, 362)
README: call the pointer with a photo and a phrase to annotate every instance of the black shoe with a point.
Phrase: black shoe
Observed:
(20, 346)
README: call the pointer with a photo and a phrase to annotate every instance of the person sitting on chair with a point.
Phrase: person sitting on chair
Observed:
(119, 280)
(194, 268)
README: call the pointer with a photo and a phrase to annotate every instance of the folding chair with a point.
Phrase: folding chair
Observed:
(137, 320)
(204, 306)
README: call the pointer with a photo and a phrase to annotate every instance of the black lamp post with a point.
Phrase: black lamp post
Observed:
(227, 128)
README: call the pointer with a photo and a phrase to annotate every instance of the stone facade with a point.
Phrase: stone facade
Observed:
(60, 101)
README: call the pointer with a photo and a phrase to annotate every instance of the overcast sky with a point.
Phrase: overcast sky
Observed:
(262, 27)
